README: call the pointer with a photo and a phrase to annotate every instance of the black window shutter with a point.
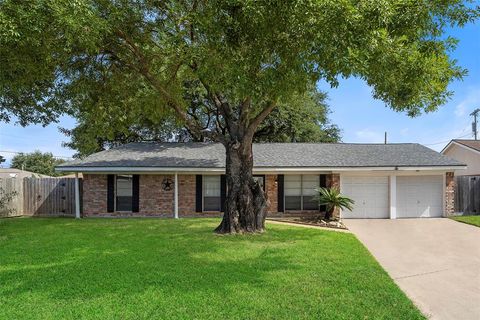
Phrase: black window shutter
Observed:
(223, 192)
(280, 190)
(110, 193)
(323, 184)
(198, 193)
(135, 193)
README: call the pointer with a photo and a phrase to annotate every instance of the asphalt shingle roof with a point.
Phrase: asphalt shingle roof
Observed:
(267, 155)
(474, 144)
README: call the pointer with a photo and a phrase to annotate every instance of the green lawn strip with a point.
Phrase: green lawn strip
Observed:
(155, 268)
(473, 220)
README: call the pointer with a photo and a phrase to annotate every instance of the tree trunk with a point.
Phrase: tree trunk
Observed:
(328, 214)
(246, 205)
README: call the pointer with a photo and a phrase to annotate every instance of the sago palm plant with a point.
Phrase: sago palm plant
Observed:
(332, 199)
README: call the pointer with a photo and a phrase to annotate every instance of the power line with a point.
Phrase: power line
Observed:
(17, 152)
(432, 144)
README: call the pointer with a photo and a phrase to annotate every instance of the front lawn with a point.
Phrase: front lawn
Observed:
(473, 220)
(167, 269)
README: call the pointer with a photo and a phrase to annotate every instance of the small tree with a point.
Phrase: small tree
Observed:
(37, 162)
(332, 199)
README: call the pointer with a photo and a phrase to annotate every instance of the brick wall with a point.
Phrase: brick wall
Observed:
(271, 189)
(333, 180)
(449, 194)
(94, 194)
(154, 201)
(186, 195)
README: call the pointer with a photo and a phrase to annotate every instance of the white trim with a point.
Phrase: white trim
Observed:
(393, 196)
(451, 143)
(256, 170)
(444, 198)
(176, 197)
(77, 197)
(446, 147)
(340, 211)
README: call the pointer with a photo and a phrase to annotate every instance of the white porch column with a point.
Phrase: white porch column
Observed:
(393, 196)
(77, 196)
(176, 196)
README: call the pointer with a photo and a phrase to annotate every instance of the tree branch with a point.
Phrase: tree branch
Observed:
(144, 70)
(258, 119)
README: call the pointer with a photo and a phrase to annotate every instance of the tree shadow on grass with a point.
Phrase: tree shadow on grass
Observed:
(125, 257)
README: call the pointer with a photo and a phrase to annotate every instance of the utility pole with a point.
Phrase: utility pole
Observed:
(385, 137)
(474, 124)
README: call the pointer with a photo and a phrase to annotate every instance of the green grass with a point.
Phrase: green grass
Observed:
(473, 220)
(167, 269)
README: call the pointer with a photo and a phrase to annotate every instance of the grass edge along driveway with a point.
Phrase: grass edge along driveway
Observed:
(472, 220)
(179, 269)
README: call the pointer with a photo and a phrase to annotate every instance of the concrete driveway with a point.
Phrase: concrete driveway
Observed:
(436, 262)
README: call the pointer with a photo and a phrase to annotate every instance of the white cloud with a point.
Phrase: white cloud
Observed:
(460, 110)
(369, 135)
(404, 132)
(467, 105)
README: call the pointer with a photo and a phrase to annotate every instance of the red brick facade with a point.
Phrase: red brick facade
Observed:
(449, 194)
(154, 201)
(94, 194)
(186, 195)
(271, 188)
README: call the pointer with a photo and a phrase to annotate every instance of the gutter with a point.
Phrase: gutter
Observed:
(255, 169)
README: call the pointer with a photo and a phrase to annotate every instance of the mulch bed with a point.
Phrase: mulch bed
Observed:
(314, 221)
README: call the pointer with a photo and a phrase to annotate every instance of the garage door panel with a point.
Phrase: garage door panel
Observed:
(370, 195)
(419, 196)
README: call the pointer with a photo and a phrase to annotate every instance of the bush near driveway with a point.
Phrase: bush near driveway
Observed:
(180, 269)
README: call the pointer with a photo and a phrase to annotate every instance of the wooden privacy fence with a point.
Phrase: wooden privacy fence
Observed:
(467, 194)
(40, 196)
(49, 196)
(14, 187)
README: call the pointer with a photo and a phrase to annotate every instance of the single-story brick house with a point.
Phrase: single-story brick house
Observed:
(186, 179)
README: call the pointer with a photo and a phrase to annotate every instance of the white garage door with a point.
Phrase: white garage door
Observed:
(370, 195)
(419, 196)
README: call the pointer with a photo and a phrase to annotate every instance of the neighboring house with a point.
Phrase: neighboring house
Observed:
(19, 174)
(466, 151)
(185, 179)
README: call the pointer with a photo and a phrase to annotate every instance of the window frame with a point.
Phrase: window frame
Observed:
(301, 193)
(220, 191)
(115, 193)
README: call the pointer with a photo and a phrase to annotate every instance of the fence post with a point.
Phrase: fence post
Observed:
(77, 197)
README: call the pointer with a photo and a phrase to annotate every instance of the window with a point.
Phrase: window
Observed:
(124, 192)
(300, 192)
(211, 193)
(293, 192)
(309, 184)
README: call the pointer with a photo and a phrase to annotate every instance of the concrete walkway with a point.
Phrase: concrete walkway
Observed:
(436, 262)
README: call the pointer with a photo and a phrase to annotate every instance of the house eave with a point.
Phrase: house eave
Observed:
(113, 169)
(461, 145)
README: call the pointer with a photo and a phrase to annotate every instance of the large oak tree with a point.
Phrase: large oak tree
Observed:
(244, 57)
(303, 119)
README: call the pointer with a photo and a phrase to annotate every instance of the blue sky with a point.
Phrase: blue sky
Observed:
(361, 118)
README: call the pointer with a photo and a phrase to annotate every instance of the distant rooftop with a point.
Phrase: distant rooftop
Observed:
(266, 155)
(13, 173)
(474, 144)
